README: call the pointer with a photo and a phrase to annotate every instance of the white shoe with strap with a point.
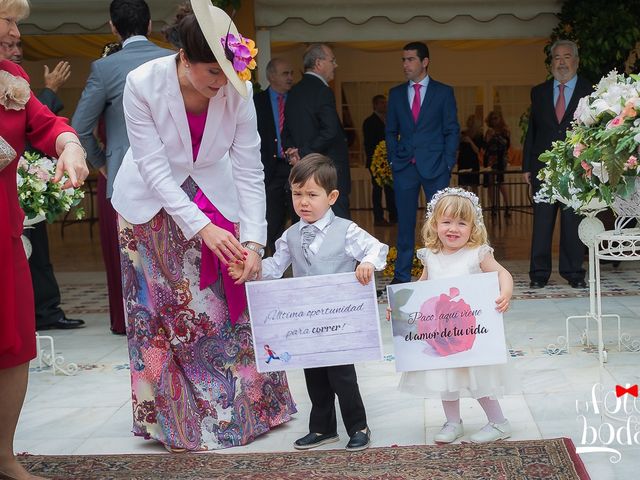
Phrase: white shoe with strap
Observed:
(449, 432)
(492, 432)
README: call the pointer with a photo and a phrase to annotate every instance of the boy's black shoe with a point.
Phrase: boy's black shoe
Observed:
(359, 440)
(312, 440)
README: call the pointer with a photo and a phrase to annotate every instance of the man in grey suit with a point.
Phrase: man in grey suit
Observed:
(102, 98)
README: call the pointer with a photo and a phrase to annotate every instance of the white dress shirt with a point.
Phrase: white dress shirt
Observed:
(359, 245)
(134, 38)
(424, 83)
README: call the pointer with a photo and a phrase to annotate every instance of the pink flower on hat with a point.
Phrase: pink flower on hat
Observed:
(244, 53)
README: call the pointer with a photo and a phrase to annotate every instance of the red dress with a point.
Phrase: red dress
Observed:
(36, 124)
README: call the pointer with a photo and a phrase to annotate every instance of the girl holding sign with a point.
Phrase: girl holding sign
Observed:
(456, 244)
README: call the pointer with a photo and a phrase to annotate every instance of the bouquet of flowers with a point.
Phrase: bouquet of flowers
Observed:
(597, 163)
(38, 195)
(380, 167)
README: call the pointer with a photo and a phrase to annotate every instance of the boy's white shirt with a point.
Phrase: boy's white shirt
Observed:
(359, 245)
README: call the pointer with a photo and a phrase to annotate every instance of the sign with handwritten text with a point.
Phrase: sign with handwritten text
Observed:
(317, 321)
(447, 323)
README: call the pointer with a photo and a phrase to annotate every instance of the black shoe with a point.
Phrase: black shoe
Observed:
(63, 324)
(312, 440)
(577, 284)
(537, 284)
(359, 440)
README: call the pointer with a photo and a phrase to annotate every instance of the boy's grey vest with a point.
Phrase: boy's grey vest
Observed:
(331, 258)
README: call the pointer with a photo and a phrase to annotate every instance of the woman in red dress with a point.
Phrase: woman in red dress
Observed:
(22, 118)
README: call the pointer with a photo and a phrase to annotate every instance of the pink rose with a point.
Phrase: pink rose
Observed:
(631, 162)
(587, 168)
(578, 149)
(617, 121)
(443, 318)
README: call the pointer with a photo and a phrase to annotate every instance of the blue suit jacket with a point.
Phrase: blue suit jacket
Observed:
(432, 140)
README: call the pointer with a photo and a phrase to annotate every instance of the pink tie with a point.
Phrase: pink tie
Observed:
(280, 121)
(415, 106)
(280, 112)
(560, 103)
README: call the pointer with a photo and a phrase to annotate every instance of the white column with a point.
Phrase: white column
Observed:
(263, 42)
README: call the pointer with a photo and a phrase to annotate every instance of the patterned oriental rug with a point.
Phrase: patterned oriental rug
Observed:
(554, 459)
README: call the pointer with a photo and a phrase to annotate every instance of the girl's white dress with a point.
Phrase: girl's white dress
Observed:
(451, 383)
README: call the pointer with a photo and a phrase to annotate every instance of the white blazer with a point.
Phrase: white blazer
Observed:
(228, 168)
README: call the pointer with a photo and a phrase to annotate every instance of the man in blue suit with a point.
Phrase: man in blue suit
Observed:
(422, 136)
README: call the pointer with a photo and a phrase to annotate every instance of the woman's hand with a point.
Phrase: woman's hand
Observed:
(223, 244)
(71, 160)
(252, 268)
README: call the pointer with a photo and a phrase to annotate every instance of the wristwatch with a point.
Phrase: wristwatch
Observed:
(254, 247)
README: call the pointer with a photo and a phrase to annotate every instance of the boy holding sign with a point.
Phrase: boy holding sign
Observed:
(319, 244)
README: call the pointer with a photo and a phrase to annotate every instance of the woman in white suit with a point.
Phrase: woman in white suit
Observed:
(190, 197)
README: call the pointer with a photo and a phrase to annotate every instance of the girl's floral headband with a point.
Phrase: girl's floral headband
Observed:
(241, 52)
(459, 192)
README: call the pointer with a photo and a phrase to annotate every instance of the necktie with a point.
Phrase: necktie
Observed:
(308, 235)
(415, 105)
(280, 122)
(560, 103)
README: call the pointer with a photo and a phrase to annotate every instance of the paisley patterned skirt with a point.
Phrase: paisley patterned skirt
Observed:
(193, 376)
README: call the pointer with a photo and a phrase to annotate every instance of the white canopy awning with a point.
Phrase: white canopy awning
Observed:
(333, 20)
(356, 20)
(84, 16)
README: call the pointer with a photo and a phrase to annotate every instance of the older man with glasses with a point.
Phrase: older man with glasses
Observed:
(311, 122)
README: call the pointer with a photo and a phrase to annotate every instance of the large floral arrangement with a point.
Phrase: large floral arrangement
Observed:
(380, 167)
(392, 256)
(598, 160)
(38, 195)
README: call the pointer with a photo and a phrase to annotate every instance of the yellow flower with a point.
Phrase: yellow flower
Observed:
(392, 256)
(245, 74)
(380, 167)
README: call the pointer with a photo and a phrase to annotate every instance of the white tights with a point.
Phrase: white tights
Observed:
(491, 408)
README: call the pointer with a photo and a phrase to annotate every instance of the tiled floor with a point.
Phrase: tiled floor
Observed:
(90, 412)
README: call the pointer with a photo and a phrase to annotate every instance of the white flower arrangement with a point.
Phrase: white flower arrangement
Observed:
(598, 160)
(38, 195)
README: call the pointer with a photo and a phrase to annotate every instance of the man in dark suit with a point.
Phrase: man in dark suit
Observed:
(102, 98)
(45, 286)
(422, 140)
(373, 131)
(552, 106)
(270, 108)
(312, 124)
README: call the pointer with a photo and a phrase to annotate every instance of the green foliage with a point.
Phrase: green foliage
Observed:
(605, 31)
